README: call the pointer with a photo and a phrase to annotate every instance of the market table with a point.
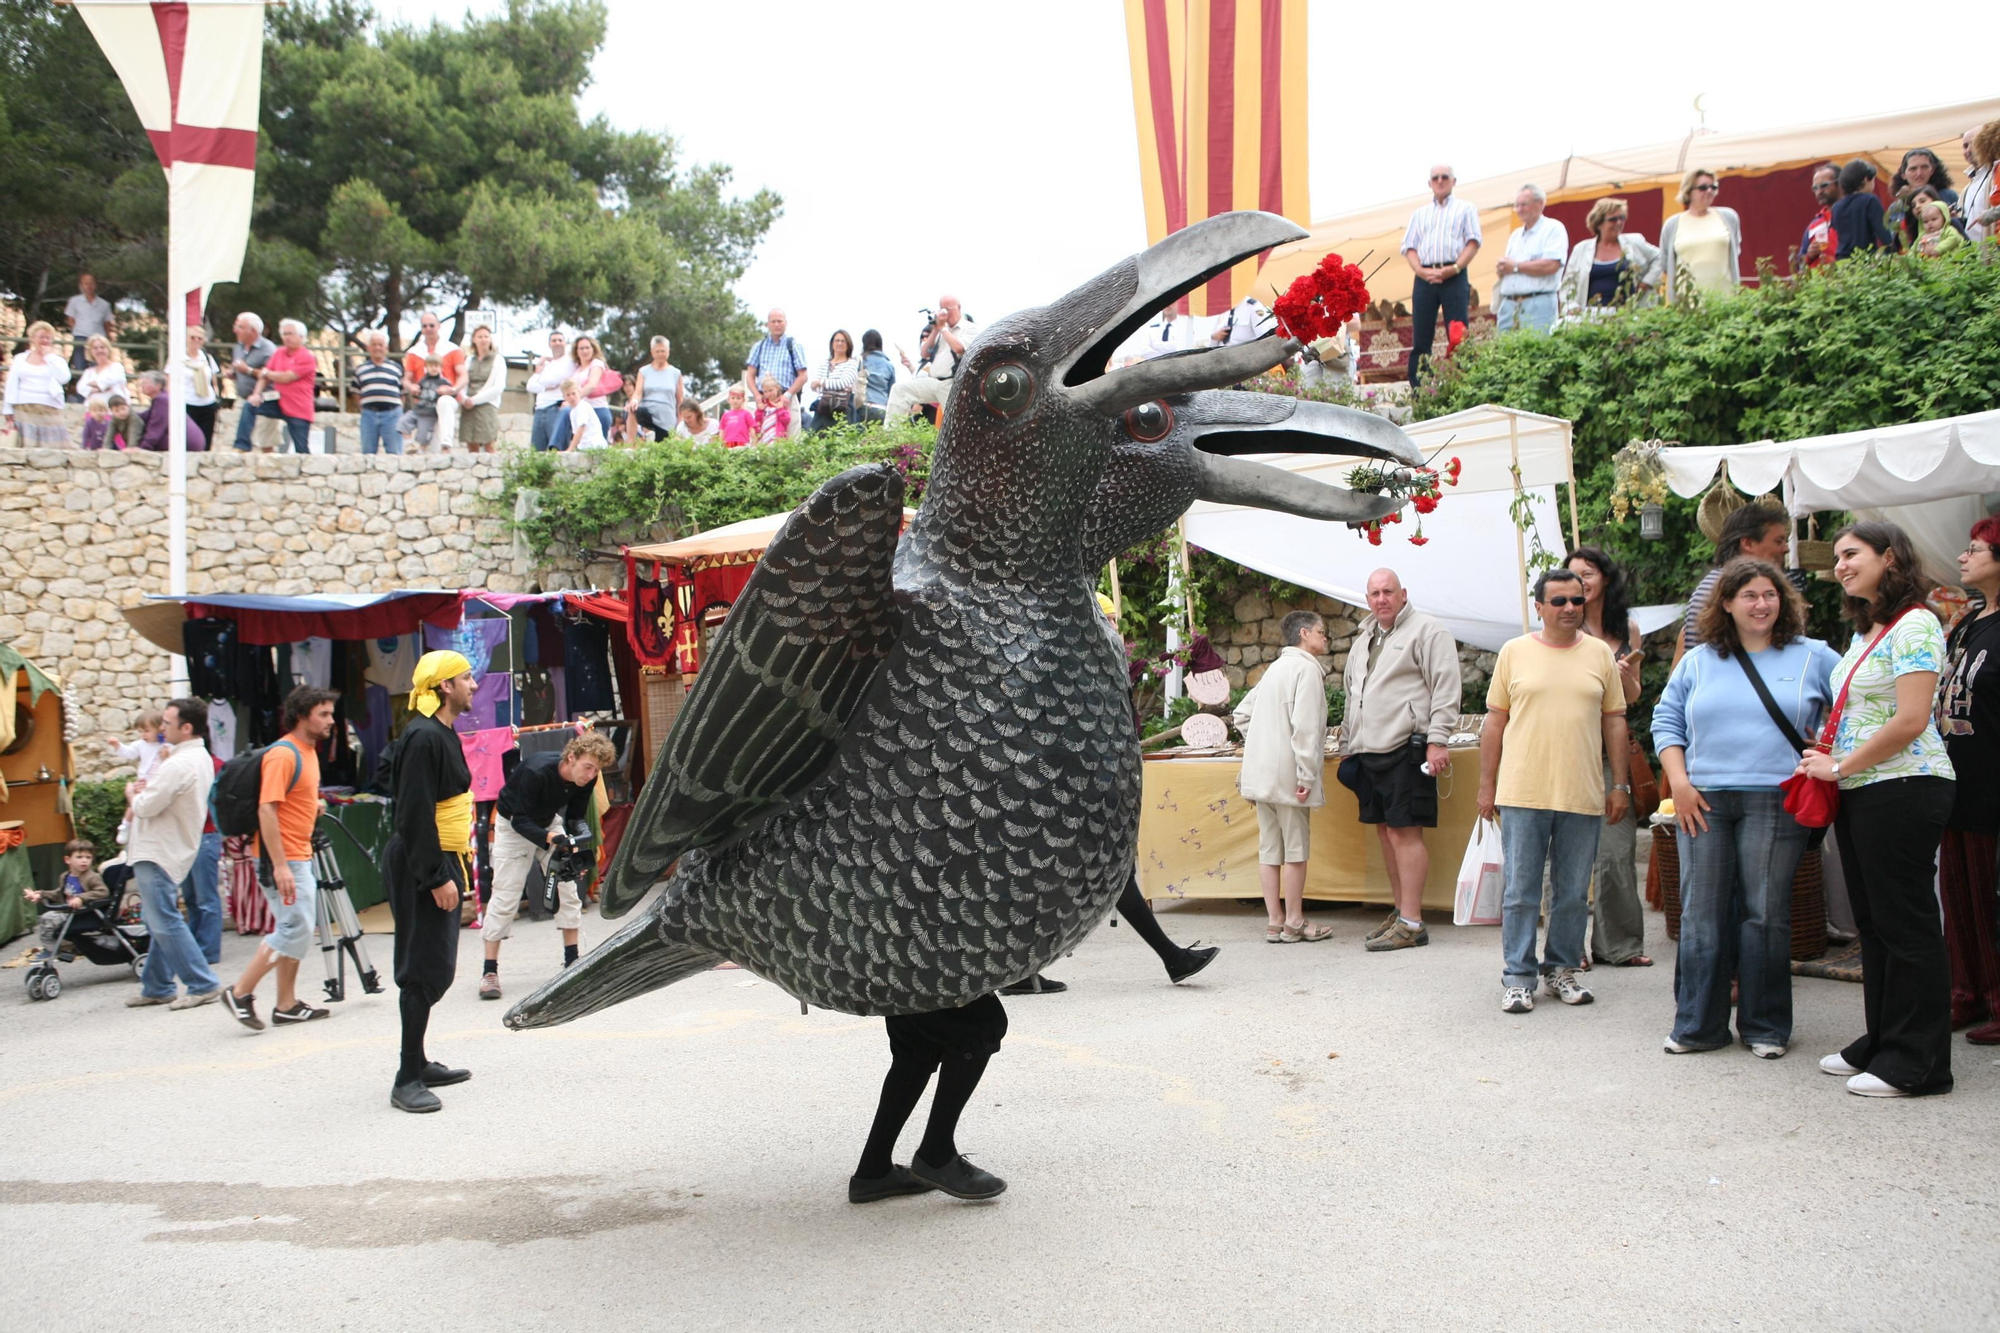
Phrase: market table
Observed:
(1198, 837)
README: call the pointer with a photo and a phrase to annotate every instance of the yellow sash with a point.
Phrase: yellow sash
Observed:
(454, 826)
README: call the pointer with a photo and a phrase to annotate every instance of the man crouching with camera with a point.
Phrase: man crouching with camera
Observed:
(541, 789)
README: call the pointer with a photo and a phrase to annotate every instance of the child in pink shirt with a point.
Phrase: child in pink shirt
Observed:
(774, 412)
(738, 426)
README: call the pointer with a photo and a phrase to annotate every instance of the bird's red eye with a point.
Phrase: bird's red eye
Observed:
(1149, 422)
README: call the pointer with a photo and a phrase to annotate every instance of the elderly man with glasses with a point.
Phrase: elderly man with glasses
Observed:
(1555, 700)
(1532, 268)
(1438, 245)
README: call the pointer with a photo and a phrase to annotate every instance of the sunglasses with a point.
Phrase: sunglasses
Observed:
(1706, 189)
(1447, 176)
(1564, 601)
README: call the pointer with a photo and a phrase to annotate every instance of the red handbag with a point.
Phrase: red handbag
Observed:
(1814, 802)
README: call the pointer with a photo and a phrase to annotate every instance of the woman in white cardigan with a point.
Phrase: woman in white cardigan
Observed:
(1609, 267)
(1703, 245)
(483, 379)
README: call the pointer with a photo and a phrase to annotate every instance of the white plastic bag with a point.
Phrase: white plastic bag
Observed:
(1481, 878)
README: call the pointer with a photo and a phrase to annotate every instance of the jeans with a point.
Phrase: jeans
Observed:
(1618, 921)
(246, 424)
(300, 429)
(378, 430)
(1566, 842)
(604, 421)
(1452, 295)
(550, 430)
(1736, 920)
(1536, 311)
(1889, 833)
(292, 927)
(172, 951)
(204, 897)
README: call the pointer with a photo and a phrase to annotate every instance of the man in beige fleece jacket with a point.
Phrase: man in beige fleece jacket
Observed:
(1283, 722)
(1402, 687)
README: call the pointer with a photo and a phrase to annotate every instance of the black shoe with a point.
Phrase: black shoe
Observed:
(1192, 961)
(958, 1178)
(242, 1008)
(437, 1076)
(300, 1012)
(415, 1098)
(1035, 985)
(893, 1183)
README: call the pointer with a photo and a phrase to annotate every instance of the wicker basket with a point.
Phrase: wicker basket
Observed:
(1815, 555)
(1808, 894)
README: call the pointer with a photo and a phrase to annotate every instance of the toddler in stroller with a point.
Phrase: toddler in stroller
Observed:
(80, 916)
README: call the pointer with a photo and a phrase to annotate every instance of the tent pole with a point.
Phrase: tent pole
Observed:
(1569, 464)
(1187, 579)
(1791, 524)
(1520, 542)
(1117, 598)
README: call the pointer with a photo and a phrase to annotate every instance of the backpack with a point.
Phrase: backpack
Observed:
(233, 801)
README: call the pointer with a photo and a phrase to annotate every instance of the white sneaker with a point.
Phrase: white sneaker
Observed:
(1562, 984)
(1764, 1050)
(1833, 1064)
(1672, 1047)
(1867, 1085)
(1517, 1000)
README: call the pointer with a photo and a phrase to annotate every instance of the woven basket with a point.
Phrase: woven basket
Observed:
(1808, 894)
(1718, 502)
(1815, 555)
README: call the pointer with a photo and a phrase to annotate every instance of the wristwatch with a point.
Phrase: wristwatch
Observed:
(1836, 770)
(1622, 786)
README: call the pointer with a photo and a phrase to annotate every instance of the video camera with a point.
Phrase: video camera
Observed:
(574, 859)
(930, 321)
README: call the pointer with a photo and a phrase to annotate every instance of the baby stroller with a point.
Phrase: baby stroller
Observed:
(92, 931)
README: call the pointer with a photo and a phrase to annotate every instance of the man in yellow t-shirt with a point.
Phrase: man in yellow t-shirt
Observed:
(1555, 703)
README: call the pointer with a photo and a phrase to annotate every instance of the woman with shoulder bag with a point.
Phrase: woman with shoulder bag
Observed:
(1730, 725)
(1617, 918)
(835, 379)
(1968, 717)
(1896, 789)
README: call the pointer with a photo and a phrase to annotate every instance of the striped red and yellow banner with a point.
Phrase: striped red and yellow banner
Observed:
(1219, 91)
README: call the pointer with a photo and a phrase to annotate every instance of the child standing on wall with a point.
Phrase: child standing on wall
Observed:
(774, 412)
(739, 425)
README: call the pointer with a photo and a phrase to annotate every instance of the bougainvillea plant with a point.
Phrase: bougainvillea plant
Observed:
(1422, 486)
(1320, 303)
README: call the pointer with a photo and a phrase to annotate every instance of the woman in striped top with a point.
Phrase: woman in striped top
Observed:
(836, 379)
(379, 381)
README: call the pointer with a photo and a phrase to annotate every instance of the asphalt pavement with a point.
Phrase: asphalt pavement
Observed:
(1307, 1135)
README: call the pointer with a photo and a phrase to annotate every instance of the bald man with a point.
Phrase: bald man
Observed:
(778, 355)
(951, 332)
(1438, 245)
(1402, 683)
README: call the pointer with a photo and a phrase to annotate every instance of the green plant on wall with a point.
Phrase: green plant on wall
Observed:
(98, 807)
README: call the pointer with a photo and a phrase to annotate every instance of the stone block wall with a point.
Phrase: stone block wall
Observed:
(87, 537)
(1253, 641)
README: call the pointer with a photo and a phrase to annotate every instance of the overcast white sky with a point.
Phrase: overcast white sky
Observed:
(989, 149)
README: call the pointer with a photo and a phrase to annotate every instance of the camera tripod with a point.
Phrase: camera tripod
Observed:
(339, 929)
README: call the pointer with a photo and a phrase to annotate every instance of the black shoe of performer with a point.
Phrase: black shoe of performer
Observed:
(895, 1182)
(414, 1097)
(1035, 985)
(1192, 961)
(438, 1076)
(958, 1178)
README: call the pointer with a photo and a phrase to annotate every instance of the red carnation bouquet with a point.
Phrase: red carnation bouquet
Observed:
(1423, 486)
(1319, 304)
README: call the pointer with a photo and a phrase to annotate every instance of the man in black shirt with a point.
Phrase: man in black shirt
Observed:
(539, 790)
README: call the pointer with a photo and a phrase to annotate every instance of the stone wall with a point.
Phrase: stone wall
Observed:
(87, 537)
(1253, 641)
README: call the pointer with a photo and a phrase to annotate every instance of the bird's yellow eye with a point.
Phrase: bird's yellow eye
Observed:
(1007, 389)
(1149, 422)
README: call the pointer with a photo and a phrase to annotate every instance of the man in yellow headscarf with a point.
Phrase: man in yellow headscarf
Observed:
(427, 864)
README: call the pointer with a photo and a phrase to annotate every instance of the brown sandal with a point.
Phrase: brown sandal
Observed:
(1303, 933)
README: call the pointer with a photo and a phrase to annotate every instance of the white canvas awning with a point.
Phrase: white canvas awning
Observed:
(1927, 477)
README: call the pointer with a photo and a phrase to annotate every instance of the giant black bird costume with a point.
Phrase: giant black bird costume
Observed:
(908, 774)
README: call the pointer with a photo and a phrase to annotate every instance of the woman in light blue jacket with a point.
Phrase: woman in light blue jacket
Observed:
(1725, 757)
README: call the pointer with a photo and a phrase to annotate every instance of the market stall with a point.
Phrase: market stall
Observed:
(1198, 836)
(36, 768)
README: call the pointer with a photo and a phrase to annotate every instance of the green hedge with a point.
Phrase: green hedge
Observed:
(98, 807)
(1871, 342)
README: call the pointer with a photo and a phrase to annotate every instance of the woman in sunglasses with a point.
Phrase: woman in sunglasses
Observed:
(1702, 248)
(1726, 753)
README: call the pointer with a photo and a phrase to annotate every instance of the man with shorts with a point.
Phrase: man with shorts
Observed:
(545, 795)
(1402, 687)
(288, 806)
(1283, 722)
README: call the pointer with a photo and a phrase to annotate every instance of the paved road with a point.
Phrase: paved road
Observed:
(1311, 1137)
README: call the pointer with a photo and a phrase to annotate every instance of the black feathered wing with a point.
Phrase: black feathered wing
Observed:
(786, 672)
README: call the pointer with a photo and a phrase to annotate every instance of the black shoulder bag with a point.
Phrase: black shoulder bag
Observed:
(1814, 837)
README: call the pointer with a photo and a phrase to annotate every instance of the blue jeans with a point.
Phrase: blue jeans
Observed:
(246, 421)
(1736, 920)
(604, 420)
(378, 430)
(300, 429)
(1566, 843)
(1535, 311)
(550, 429)
(172, 951)
(1453, 296)
(204, 898)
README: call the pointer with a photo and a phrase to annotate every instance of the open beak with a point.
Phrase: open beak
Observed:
(1224, 477)
(1162, 275)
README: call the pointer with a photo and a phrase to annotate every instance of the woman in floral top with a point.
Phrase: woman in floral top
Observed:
(1896, 792)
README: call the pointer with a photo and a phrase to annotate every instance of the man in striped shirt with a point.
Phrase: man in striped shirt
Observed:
(1438, 245)
(379, 381)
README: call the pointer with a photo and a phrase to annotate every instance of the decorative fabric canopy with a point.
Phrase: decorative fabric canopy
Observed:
(271, 619)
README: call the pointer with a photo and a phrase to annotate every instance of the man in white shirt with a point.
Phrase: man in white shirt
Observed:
(169, 807)
(1531, 270)
(88, 316)
(1244, 324)
(951, 333)
(551, 426)
(1438, 245)
(1169, 333)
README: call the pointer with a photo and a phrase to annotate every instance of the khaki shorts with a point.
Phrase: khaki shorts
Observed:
(513, 856)
(1284, 833)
